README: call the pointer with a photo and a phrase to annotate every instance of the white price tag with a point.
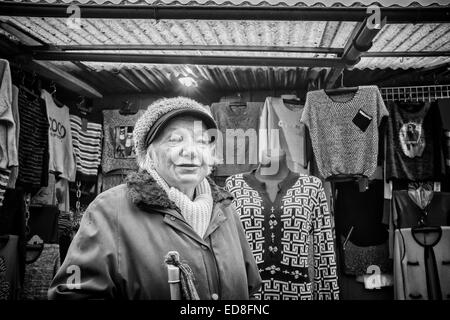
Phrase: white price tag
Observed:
(437, 187)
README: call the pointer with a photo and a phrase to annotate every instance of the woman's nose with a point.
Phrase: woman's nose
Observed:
(188, 150)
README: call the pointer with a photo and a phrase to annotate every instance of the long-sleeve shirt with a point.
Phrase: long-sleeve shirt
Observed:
(280, 234)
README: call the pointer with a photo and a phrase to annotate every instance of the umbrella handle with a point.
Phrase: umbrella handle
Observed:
(173, 273)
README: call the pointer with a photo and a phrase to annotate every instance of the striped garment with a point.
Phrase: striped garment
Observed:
(33, 142)
(87, 145)
(447, 150)
(4, 178)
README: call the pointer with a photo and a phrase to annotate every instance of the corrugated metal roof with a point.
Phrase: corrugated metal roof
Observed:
(122, 77)
(127, 78)
(189, 32)
(395, 37)
(309, 3)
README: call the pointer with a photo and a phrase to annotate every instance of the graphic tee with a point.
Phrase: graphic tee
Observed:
(414, 149)
(61, 156)
(118, 147)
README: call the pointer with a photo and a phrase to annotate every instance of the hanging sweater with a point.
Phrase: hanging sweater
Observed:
(344, 130)
(8, 138)
(87, 146)
(33, 142)
(238, 145)
(280, 234)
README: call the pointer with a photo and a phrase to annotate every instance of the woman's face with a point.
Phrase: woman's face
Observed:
(183, 152)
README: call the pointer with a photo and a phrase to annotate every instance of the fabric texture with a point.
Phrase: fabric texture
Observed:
(4, 178)
(197, 212)
(15, 111)
(414, 142)
(238, 148)
(280, 232)
(341, 146)
(87, 145)
(113, 260)
(10, 284)
(40, 272)
(44, 223)
(33, 142)
(421, 265)
(8, 139)
(357, 259)
(118, 151)
(281, 129)
(406, 213)
(61, 156)
(153, 113)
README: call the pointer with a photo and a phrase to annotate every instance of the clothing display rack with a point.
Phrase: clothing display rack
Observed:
(416, 93)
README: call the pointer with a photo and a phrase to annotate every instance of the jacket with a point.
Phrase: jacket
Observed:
(422, 265)
(125, 233)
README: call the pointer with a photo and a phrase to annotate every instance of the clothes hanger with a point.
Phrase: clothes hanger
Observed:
(292, 99)
(239, 102)
(127, 108)
(342, 89)
(52, 91)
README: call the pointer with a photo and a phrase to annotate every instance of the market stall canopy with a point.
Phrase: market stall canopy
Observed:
(146, 54)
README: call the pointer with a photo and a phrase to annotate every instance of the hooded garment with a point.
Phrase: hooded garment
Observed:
(118, 252)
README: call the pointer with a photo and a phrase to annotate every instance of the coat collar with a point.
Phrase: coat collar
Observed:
(146, 194)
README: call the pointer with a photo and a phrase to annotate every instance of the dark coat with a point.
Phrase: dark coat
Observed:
(126, 232)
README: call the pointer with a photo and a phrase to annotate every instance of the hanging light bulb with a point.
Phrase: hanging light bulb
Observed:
(188, 81)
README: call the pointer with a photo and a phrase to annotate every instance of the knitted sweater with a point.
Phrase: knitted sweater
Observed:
(280, 234)
(344, 130)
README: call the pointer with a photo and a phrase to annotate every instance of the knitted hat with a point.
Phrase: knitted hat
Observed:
(159, 113)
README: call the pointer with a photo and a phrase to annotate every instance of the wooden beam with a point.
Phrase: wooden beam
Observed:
(419, 14)
(63, 78)
(188, 59)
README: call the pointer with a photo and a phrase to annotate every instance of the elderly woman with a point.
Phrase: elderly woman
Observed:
(169, 205)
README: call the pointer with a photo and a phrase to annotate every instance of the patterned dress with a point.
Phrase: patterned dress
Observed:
(280, 234)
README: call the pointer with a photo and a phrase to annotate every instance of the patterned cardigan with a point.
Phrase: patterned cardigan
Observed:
(280, 234)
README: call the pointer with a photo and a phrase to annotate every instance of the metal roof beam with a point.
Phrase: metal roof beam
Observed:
(406, 54)
(420, 14)
(151, 47)
(188, 59)
(47, 70)
(359, 42)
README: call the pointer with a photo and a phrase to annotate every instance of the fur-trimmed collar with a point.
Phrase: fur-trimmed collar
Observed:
(145, 192)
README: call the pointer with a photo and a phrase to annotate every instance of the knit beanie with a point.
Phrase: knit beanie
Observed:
(156, 111)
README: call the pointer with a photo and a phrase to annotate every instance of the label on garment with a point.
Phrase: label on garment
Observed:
(437, 187)
(362, 120)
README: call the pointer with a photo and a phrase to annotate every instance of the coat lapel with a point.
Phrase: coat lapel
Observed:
(147, 195)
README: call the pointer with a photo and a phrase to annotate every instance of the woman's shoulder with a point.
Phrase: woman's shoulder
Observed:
(109, 201)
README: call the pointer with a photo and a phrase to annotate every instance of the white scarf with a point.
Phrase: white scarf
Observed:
(197, 213)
